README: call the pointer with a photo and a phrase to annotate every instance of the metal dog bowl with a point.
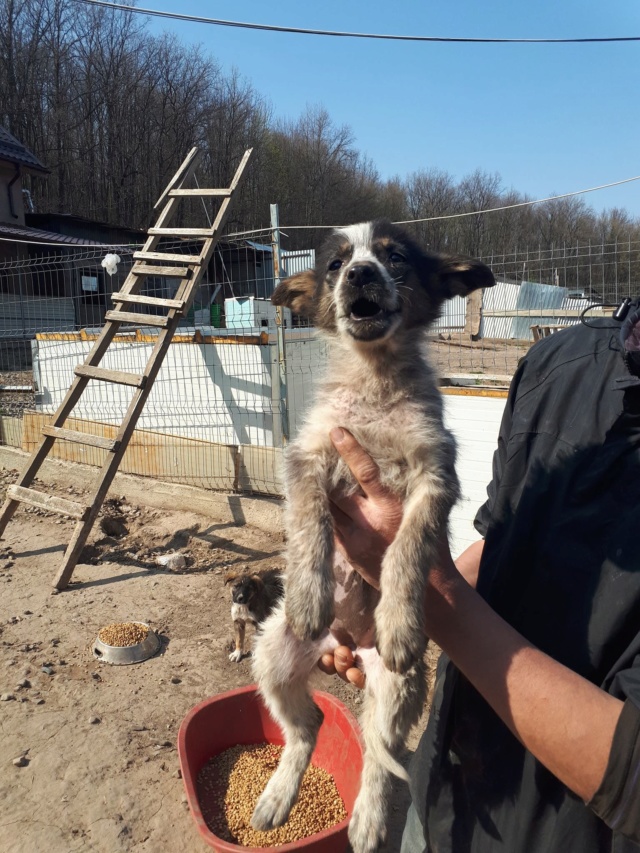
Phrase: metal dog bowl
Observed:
(121, 655)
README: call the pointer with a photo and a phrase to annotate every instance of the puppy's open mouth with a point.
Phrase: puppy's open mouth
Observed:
(365, 309)
(368, 320)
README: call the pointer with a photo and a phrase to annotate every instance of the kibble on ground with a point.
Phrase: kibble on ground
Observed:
(123, 634)
(229, 787)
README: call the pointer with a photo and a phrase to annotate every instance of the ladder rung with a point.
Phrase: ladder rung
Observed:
(138, 319)
(165, 257)
(140, 299)
(48, 502)
(81, 437)
(181, 232)
(170, 272)
(199, 192)
(120, 377)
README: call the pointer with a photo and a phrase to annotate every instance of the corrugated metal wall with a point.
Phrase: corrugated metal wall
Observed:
(453, 315)
(503, 296)
(534, 297)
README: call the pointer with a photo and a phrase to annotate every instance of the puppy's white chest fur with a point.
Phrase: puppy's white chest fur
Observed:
(241, 612)
(398, 433)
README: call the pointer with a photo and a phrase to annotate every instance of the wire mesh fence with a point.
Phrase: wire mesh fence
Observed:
(231, 391)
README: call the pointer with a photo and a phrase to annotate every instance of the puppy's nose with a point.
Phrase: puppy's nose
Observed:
(360, 274)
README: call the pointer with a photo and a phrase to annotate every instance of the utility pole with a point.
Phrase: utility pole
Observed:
(280, 325)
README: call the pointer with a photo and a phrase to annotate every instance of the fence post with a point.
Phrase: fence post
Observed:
(280, 325)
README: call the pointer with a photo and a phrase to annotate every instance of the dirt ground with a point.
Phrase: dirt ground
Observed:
(88, 750)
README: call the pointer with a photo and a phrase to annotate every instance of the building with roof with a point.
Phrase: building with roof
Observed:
(16, 160)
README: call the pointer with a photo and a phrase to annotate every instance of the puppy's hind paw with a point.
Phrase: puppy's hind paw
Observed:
(236, 656)
(310, 619)
(399, 646)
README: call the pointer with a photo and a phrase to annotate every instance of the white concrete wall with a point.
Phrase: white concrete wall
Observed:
(222, 393)
(475, 422)
(218, 393)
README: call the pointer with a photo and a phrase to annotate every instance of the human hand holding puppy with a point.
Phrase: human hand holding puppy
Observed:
(365, 526)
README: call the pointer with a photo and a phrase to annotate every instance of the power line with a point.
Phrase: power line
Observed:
(197, 19)
(402, 222)
(476, 212)
(523, 203)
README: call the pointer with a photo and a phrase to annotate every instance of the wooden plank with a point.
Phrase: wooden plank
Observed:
(119, 377)
(163, 456)
(552, 313)
(138, 319)
(10, 431)
(168, 272)
(81, 438)
(181, 232)
(48, 502)
(166, 257)
(200, 192)
(139, 299)
(461, 391)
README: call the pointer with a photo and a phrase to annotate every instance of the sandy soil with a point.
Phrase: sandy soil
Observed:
(97, 743)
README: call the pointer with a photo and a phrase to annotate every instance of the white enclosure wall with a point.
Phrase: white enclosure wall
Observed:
(475, 423)
(219, 393)
(228, 394)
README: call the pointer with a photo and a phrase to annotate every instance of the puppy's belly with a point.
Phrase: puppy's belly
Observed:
(355, 603)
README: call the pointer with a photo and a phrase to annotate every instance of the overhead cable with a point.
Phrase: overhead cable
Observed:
(474, 212)
(246, 25)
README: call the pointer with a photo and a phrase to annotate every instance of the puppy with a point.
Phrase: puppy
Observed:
(253, 598)
(372, 295)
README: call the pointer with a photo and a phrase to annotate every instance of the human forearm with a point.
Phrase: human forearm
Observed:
(561, 718)
(468, 563)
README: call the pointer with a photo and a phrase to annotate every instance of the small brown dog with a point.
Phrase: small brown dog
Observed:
(253, 598)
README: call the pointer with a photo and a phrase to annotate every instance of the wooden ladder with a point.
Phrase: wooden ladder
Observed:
(147, 262)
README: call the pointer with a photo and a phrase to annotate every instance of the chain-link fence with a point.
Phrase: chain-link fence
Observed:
(231, 390)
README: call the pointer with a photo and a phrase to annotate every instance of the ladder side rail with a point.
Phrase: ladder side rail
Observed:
(112, 463)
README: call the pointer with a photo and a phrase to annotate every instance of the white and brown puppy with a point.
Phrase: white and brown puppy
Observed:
(253, 597)
(372, 295)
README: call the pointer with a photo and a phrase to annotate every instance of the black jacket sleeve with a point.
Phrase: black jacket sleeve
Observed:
(617, 800)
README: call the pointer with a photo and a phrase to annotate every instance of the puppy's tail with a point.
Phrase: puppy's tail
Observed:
(382, 739)
(383, 756)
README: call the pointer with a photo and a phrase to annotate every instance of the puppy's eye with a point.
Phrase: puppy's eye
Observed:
(335, 265)
(396, 258)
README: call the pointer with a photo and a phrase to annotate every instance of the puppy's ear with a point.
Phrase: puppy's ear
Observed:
(297, 293)
(460, 275)
(230, 576)
(258, 580)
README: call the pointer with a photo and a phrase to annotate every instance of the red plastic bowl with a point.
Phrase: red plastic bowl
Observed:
(239, 717)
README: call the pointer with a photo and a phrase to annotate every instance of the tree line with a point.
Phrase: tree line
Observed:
(112, 110)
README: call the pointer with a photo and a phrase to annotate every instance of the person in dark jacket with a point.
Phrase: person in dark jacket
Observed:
(533, 741)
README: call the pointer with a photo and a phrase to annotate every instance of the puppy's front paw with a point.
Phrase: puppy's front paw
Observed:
(308, 618)
(400, 645)
(367, 829)
(236, 656)
(274, 806)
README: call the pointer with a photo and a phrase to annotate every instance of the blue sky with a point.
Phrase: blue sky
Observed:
(548, 118)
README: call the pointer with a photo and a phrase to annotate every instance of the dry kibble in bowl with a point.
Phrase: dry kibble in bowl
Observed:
(229, 785)
(123, 634)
